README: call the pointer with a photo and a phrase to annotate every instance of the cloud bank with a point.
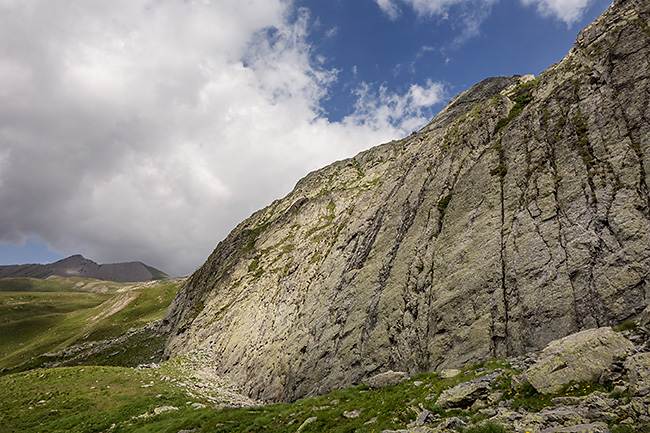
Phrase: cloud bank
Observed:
(568, 11)
(146, 130)
(473, 12)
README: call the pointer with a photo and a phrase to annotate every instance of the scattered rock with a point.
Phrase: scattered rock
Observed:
(466, 393)
(352, 414)
(306, 423)
(388, 378)
(450, 423)
(596, 427)
(162, 409)
(448, 373)
(422, 417)
(638, 367)
(579, 357)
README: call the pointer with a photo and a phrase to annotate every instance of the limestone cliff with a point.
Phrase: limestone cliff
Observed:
(518, 215)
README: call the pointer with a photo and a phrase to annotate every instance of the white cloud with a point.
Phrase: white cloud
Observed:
(390, 8)
(569, 11)
(141, 130)
(382, 109)
(468, 14)
(428, 8)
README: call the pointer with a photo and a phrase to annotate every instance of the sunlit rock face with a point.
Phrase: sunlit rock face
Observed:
(518, 215)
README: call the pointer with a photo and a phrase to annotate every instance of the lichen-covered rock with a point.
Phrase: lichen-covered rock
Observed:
(638, 367)
(644, 318)
(596, 427)
(448, 373)
(389, 378)
(520, 214)
(466, 393)
(583, 356)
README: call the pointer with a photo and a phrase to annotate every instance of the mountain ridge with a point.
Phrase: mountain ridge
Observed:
(78, 266)
(500, 226)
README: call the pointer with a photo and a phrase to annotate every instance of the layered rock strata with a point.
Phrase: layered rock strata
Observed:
(520, 214)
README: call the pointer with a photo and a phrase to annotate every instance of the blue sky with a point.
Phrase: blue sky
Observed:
(146, 130)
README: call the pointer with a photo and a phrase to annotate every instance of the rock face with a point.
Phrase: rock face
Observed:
(520, 214)
(79, 266)
(581, 357)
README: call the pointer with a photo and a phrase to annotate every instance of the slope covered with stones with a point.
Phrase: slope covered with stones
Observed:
(519, 215)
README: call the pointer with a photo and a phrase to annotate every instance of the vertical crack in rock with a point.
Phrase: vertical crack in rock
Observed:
(436, 250)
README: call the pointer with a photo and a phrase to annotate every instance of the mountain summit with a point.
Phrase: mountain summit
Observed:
(79, 266)
(520, 214)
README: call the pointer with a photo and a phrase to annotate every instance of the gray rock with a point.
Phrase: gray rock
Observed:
(422, 417)
(450, 423)
(449, 373)
(371, 421)
(389, 378)
(579, 357)
(162, 409)
(352, 414)
(517, 216)
(597, 427)
(466, 393)
(638, 367)
(417, 429)
(644, 317)
(306, 423)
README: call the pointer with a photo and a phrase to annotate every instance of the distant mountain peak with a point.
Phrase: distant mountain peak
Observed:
(79, 266)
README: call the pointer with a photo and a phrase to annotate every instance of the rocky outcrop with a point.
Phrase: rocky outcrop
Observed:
(502, 399)
(581, 357)
(519, 215)
(79, 266)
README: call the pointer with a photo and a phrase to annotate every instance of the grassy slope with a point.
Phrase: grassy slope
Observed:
(41, 316)
(88, 399)
(93, 399)
(37, 316)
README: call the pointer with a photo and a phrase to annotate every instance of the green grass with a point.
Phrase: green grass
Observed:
(84, 399)
(522, 96)
(41, 316)
(93, 399)
(103, 395)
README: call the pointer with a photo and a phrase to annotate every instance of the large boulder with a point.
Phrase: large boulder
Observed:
(579, 357)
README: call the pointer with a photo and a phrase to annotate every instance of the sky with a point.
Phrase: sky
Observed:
(148, 129)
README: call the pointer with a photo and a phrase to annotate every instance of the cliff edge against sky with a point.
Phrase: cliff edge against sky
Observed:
(518, 215)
